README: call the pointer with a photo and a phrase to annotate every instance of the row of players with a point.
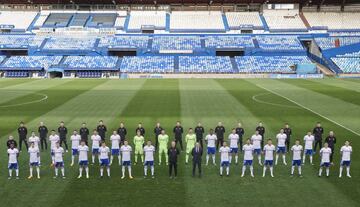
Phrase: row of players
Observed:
(194, 148)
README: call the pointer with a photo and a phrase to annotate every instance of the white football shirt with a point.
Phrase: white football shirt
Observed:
(256, 141)
(281, 139)
(104, 152)
(224, 154)
(83, 153)
(35, 140)
(13, 155)
(95, 141)
(325, 154)
(296, 149)
(269, 152)
(309, 140)
(234, 140)
(115, 141)
(248, 152)
(126, 152)
(149, 153)
(53, 140)
(346, 153)
(211, 139)
(75, 141)
(58, 154)
(33, 153)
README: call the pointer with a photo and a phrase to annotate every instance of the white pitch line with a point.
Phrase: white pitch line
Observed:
(255, 98)
(44, 97)
(304, 107)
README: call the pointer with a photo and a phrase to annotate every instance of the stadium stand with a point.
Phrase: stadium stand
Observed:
(189, 21)
(353, 54)
(176, 43)
(330, 42)
(347, 64)
(58, 20)
(89, 74)
(229, 42)
(70, 43)
(19, 20)
(20, 41)
(333, 20)
(205, 64)
(124, 41)
(2, 58)
(278, 42)
(17, 74)
(269, 64)
(30, 62)
(284, 20)
(147, 64)
(90, 62)
(138, 19)
(238, 20)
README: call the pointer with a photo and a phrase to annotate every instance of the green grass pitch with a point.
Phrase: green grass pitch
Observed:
(333, 102)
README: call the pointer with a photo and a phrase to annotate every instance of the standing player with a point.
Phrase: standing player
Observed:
(75, 142)
(331, 140)
(234, 141)
(96, 140)
(11, 141)
(53, 138)
(190, 140)
(199, 131)
(34, 155)
(36, 140)
(141, 129)
(219, 131)
(256, 143)
(43, 132)
(122, 132)
(325, 153)
(269, 150)
(115, 147)
(178, 131)
(22, 131)
(309, 142)
(345, 151)
(84, 133)
(59, 160)
(288, 132)
(163, 146)
(126, 159)
(104, 159)
(149, 151)
(281, 146)
(296, 161)
(248, 150)
(139, 143)
(224, 159)
(13, 154)
(157, 132)
(101, 129)
(318, 132)
(261, 129)
(173, 154)
(210, 139)
(62, 130)
(83, 159)
(240, 131)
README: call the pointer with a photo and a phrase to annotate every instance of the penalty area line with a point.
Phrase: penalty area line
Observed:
(304, 107)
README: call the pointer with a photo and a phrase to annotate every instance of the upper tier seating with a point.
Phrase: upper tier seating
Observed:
(284, 20)
(20, 41)
(229, 41)
(58, 20)
(205, 64)
(269, 64)
(91, 62)
(351, 54)
(347, 65)
(147, 64)
(31, 62)
(168, 43)
(124, 41)
(196, 21)
(329, 42)
(147, 18)
(277, 42)
(69, 43)
(333, 20)
(237, 20)
(19, 19)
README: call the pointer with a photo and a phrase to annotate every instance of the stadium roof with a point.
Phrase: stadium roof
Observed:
(316, 2)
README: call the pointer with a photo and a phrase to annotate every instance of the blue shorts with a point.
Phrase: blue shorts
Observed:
(345, 163)
(34, 164)
(13, 166)
(104, 162)
(268, 162)
(149, 163)
(247, 162)
(296, 162)
(75, 152)
(309, 152)
(115, 151)
(95, 150)
(59, 164)
(234, 150)
(281, 150)
(325, 164)
(83, 163)
(257, 151)
(225, 163)
(211, 150)
(126, 163)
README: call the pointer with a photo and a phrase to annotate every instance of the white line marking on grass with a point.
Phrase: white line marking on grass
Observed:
(304, 107)
(255, 98)
(44, 97)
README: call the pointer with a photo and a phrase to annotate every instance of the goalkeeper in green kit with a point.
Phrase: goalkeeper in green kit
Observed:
(139, 142)
(190, 140)
(163, 140)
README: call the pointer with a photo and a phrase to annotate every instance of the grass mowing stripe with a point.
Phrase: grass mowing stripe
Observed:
(4, 83)
(352, 86)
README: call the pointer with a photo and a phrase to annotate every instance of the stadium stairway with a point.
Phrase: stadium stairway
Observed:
(167, 22)
(234, 65)
(256, 43)
(266, 26)
(303, 18)
(126, 24)
(226, 24)
(176, 64)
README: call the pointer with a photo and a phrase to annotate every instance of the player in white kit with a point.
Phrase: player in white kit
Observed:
(234, 145)
(59, 160)
(34, 154)
(96, 140)
(75, 142)
(325, 153)
(104, 159)
(345, 152)
(13, 154)
(269, 150)
(248, 150)
(53, 138)
(210, 139)
(36, 140)
(281, 146)
(309, 143)
(126, 159)
(83, 159)
(224, 158)
(149, 151)
(115, 147)
(256, 143)
(296, 161)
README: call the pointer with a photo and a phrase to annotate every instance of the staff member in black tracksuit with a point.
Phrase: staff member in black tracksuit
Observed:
(288, 132)
(11, 141)
(178, 131)
(240, 131)
(101, 128)
(173, 154)
(62, 130)
(197, 153)
(331, 140)
(318, 132)
(43, 132)
(122, 132)
(261, 131)
(157, 131)
(84, 134)
(22, 131)
(199, 131)
(141, 129)
(219, 131)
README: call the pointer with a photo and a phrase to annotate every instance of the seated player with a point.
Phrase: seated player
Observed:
(224, 159)
(248, 150)
(83, 150)
(190, 140)
(75, 141)
(296, 161)
(325, 154)
(345, 152)
(96, 140)
(13, 154)
(149, 151)
(59, 160)
(126, 159)
(281, 146)
(115, 147)
(269, 150)
(256, 142)
(234, 141)
(104, 159)
(210, 139)
(34, 155)
(139, 143)
(309, 143)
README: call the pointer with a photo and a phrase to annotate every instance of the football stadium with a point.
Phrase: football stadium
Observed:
(179, 103)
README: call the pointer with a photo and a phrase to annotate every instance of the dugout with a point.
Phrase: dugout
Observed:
(230, 52)
(14, 52)
(55, 73)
